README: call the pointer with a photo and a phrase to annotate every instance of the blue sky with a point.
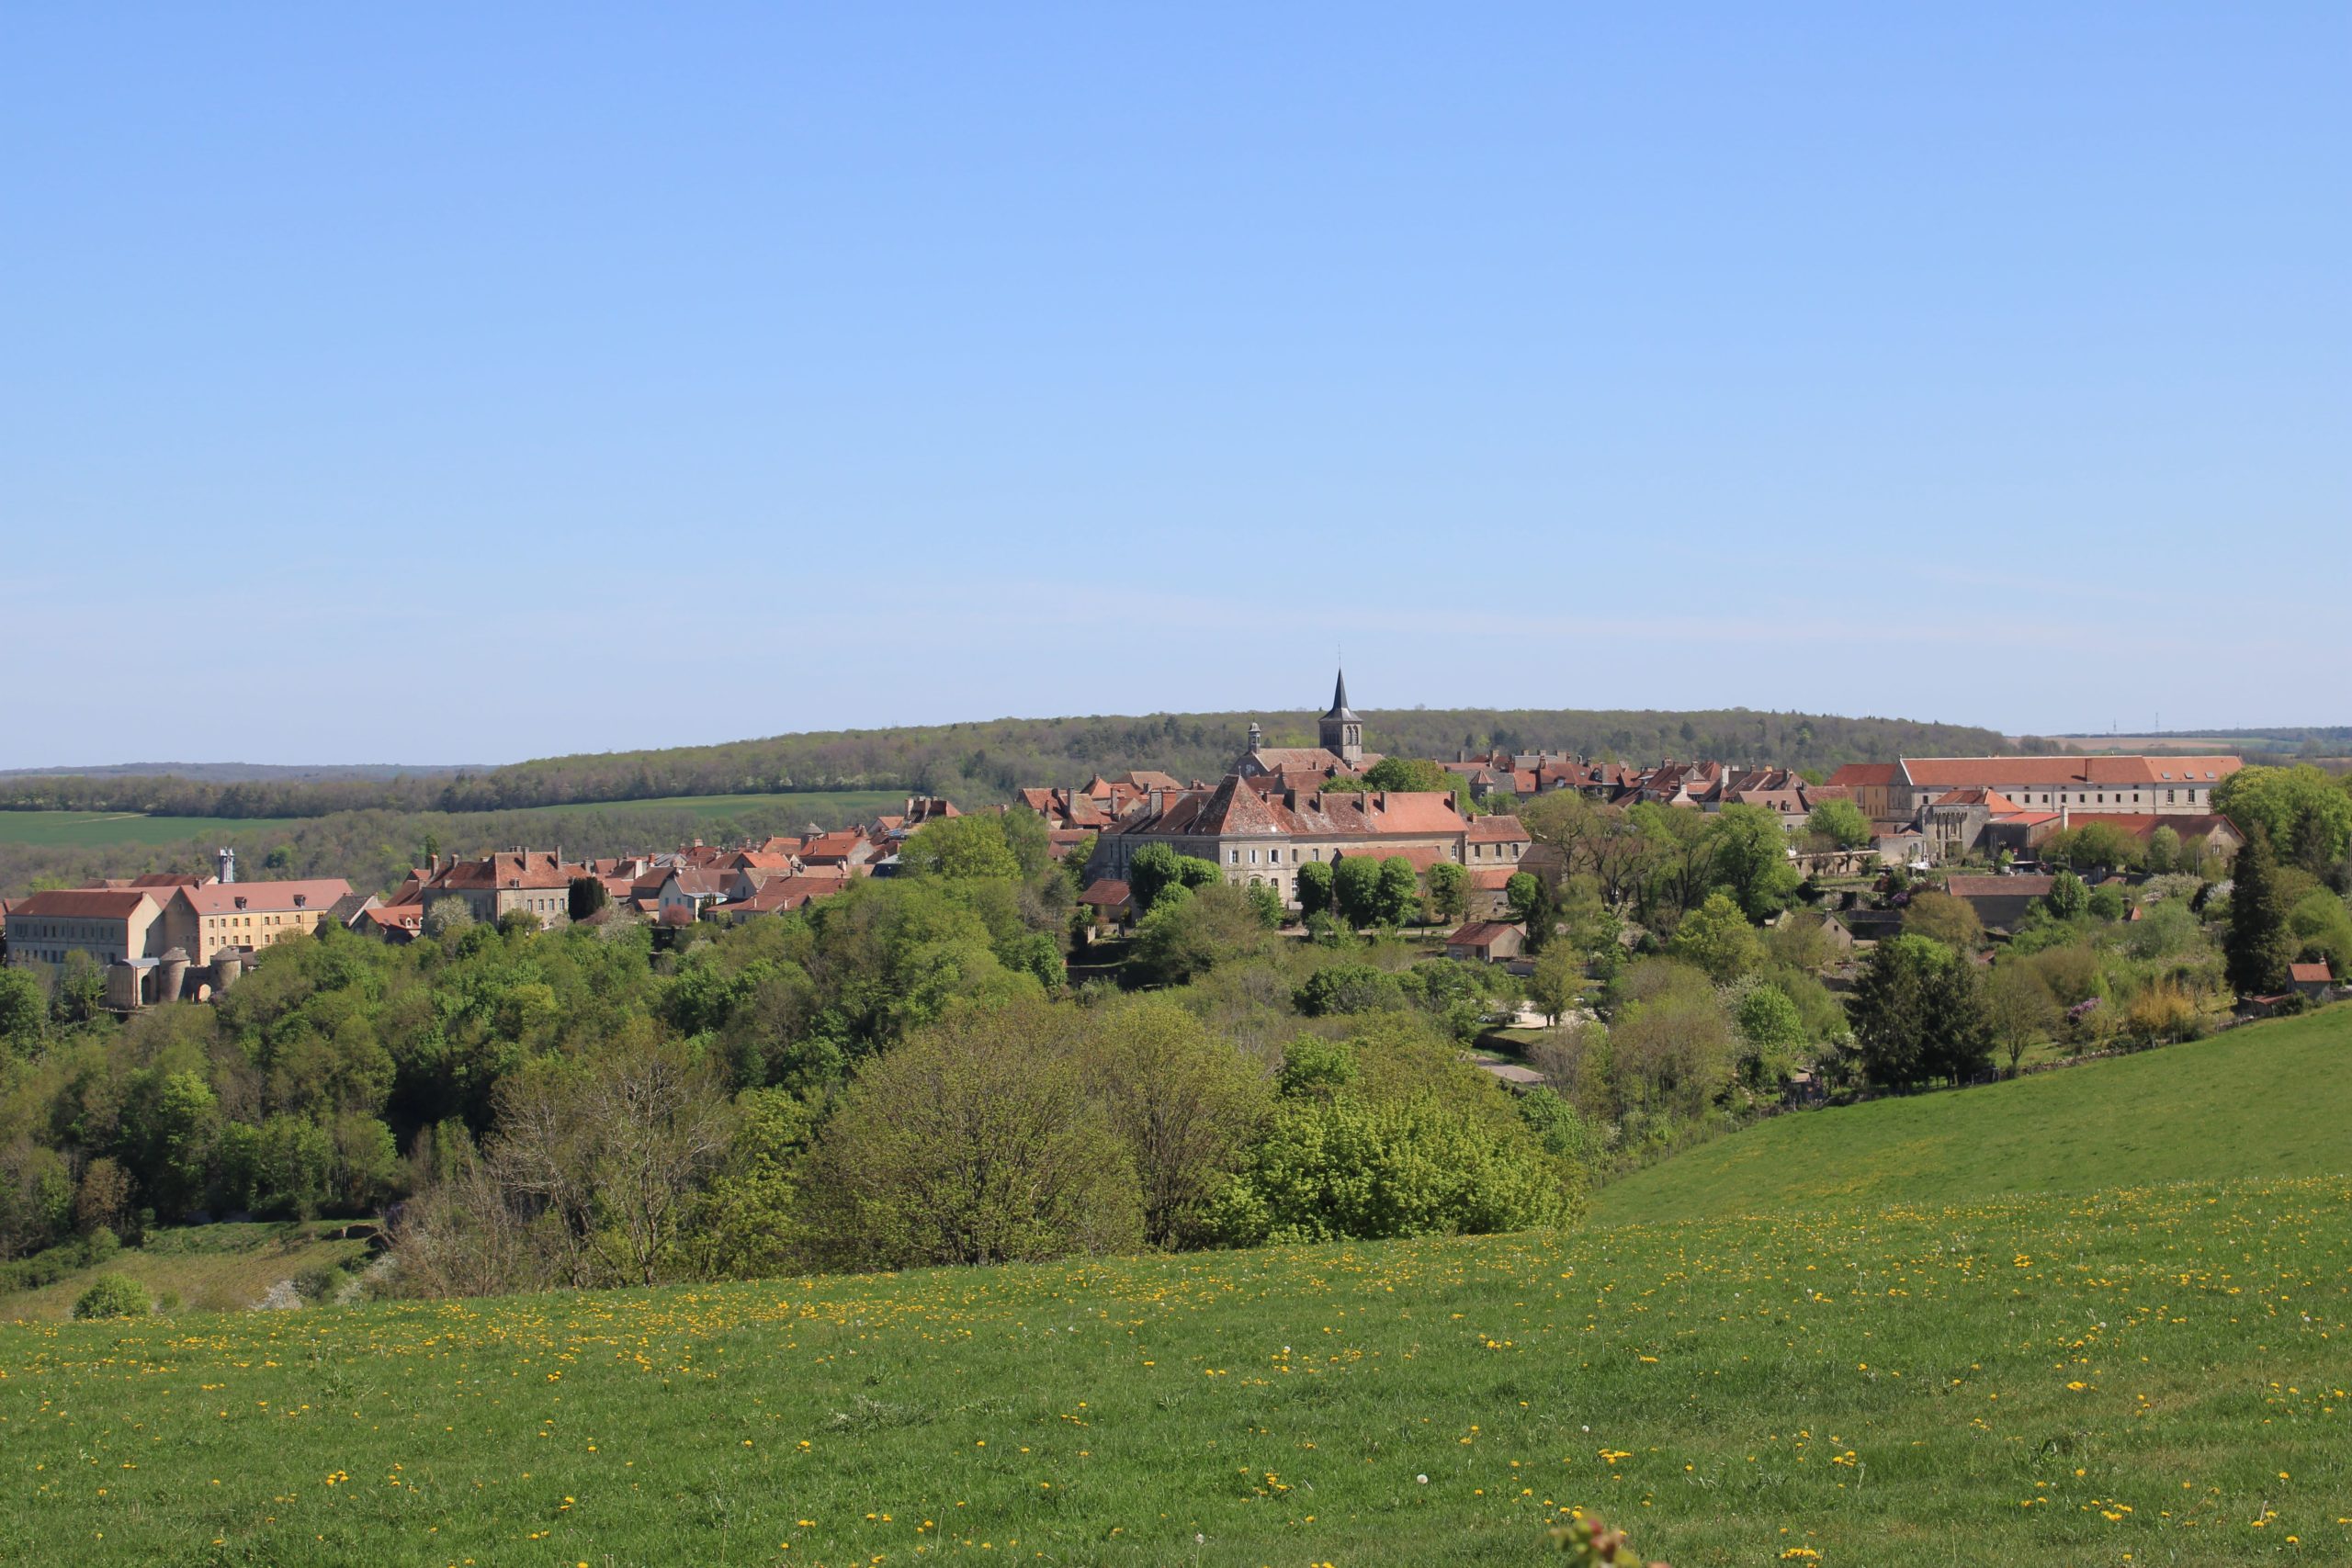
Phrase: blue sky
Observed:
(436, 383)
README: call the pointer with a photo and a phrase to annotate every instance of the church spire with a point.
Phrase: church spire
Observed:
(1341, 730)
(1340, 699)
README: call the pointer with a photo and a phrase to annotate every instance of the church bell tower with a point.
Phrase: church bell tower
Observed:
(1342, 731)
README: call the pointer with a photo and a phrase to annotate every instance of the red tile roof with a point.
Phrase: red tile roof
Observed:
(271, 898)
(1999, 804)
(1414, 811)
(1479, 933)
(782, 894)
(82, 903)
(536, 870)
(2311, 974)
(2064, 772)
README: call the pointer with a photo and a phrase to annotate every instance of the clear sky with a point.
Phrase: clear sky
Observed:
(432, 383)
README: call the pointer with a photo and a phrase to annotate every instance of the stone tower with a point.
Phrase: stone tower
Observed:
(1342, 731)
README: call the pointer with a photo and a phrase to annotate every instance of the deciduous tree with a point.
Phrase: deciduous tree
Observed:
(1839, 822)
(973, 1142)
(1449, 890)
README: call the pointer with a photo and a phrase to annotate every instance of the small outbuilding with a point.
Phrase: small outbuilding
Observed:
(2315, 981)
(1108, 901)
(1485, 941)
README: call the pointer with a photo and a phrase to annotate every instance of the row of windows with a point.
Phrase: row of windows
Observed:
(73, 930)
(2083, 797)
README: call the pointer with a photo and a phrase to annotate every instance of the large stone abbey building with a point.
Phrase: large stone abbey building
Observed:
(1281, 807)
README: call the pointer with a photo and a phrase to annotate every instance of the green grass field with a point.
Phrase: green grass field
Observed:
(2140, 1375)
(100, 829)
(90, 829)
(2269, 1100)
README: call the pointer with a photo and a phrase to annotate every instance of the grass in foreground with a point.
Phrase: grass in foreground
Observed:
(2264, 1100)
(2150, 1376)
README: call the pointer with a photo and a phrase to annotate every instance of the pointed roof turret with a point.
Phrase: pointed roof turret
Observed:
(1340, 709)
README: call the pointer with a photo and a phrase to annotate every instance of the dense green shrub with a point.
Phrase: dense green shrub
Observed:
(113, 1295)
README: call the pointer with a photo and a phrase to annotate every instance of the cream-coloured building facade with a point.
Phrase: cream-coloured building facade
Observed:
(203, 921)
(112, 925)
(1262, 838)
(2179, 786)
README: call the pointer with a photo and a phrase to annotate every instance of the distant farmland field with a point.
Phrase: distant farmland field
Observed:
(101, 829)
(2181, 745)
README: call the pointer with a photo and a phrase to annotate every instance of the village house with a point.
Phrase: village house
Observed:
(692, 888)
(494, 885)
(1108, 903)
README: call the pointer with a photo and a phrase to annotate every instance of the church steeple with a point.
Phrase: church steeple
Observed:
(1341, 730)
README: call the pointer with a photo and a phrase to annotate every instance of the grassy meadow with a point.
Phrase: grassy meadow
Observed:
(2149, 1376)
(2268, 1099)
(1996, 1370)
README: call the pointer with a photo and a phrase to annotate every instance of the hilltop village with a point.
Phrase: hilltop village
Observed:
(1283, 818)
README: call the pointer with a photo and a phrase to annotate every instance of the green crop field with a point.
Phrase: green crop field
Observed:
(92, 830)
(99, 829)
(2269, 1100)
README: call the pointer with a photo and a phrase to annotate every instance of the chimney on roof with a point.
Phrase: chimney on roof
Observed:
(1157, 799)
(226, 859)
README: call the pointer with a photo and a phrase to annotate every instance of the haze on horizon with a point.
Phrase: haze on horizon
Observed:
(451, 384)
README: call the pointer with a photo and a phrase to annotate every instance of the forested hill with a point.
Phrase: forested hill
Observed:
(987, 761)
(240, 772)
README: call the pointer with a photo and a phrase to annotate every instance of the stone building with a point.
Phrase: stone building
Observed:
(2077, 785)
(537, 880)
(1271, 815)
(203, 919)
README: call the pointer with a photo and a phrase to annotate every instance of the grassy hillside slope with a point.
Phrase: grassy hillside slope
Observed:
(220, 1267)
(2034, 1380)
(2146, 1375)
(2265, 1100)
